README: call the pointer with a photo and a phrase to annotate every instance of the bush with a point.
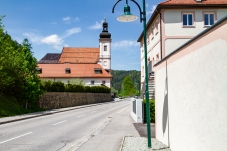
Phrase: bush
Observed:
(88, 89)
(50, 86)
(58, 87)
(46, 85)
(152, 111)
(80, 88)
(100, 89)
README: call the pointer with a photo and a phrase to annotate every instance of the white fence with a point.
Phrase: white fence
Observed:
(137, 110)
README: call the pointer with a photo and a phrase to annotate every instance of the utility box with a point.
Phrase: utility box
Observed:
(137, 110)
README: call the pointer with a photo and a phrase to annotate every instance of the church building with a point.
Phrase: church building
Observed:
(92, 65)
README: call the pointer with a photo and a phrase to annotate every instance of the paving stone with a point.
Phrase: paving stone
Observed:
(140, 144)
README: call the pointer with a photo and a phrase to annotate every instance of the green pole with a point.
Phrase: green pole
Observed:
(146, 77)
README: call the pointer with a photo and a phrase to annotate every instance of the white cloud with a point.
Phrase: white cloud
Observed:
(97, 25)
(34, 38)
(77, 19)
(125, 43)
(66, 18)
(52, 40)
(57, 42)
(69, 20)
(72, 31)
(152, 9)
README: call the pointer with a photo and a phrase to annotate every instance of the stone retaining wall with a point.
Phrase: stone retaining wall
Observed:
(54, 100)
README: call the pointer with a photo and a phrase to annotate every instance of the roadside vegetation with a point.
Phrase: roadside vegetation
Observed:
(9, 106)
(152, 111)
(18, 77)
(49, 86)
(118, 78)
(128, 88)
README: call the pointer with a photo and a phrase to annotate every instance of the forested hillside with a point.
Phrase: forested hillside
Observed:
(119, 75)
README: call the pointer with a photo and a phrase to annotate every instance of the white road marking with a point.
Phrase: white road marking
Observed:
(93, 112)
(60, 122)
(15, 138)
(81, 115)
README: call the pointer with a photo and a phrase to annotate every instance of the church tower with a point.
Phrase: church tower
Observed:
(105, 48)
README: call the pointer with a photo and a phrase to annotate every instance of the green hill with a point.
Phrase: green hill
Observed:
(119, 75)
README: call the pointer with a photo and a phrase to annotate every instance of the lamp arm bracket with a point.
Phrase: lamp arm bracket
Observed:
(115, 5)
(139, 9)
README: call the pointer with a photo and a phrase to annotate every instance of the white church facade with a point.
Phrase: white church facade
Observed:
(92, 65)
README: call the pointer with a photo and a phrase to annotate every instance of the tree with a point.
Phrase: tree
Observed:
(128, 87)
(18, 76)
(119, 75)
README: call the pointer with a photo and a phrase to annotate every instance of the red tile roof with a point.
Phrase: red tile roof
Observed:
(77, 71)
(180, 2)
(79, 55)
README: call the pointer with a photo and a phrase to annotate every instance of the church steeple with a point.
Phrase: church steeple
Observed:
(105, 33)
(105, 48)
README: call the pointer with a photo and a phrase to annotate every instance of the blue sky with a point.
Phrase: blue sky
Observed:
(52, 24)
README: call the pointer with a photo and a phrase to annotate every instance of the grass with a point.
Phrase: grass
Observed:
(10, 107)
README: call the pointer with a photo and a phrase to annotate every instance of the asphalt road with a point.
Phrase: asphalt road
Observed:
(59, 131)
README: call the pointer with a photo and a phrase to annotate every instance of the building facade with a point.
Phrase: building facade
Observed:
(92, 65)
(173, 23)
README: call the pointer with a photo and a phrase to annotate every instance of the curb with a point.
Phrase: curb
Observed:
(54, 112)
(122, 142)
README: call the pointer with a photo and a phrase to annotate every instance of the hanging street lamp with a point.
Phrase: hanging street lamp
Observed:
(128, 17)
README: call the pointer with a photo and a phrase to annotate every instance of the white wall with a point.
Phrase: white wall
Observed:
(191, 99)
(173, 44)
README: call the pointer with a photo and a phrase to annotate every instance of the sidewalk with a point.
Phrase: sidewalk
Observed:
(122, 133)
(44, 113)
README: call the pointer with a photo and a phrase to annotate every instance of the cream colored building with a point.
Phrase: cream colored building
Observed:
(190, 93)
(173, 23)
(188, 52)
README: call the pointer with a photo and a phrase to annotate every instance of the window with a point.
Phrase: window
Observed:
(92, 82)
(148, 36)
(156, 27)
(188, 19)
(105, 63)
(143, 71)
(67, 71)
(208, 19)
(98, 71)
(39, 70)
(103, 82)
(157, 57)
(105, 48)
(152, 33)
